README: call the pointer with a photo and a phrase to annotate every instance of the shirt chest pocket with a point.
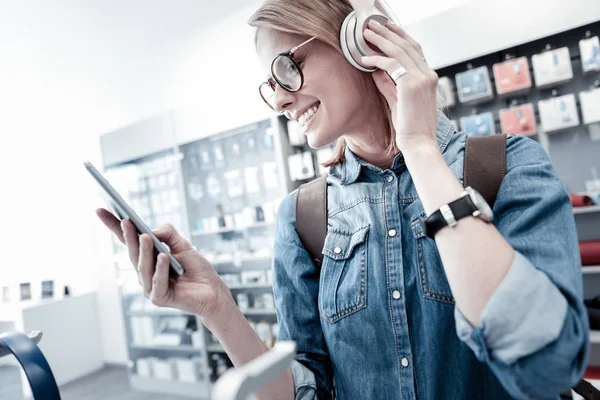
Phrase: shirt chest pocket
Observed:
(343, 281)
(432, 277)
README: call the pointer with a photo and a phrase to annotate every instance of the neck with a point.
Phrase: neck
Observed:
(369, 143)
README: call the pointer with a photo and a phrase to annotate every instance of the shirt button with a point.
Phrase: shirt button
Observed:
(337, 250)
(396, 294)
(390, 178)
(404, 362)
(392, 232)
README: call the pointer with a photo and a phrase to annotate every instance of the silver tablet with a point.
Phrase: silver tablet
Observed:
(123, 211)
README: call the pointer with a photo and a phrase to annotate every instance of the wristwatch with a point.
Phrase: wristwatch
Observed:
(471, 203)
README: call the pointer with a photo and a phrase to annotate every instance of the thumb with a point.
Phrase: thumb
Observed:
(167, 234)
(386, 86)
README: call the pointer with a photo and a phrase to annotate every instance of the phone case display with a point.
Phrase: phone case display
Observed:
(590, 54)
(512, 76)
(445, 88)
(558, 113)
(301, 166)
(474, 85)
(520, 120)
(552, 67)
(590, 105)
(479, 124)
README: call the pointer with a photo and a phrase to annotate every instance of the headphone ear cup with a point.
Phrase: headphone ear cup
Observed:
(349, 43)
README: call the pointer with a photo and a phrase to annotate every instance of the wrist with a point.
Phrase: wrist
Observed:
(224, 314)
(421, 150)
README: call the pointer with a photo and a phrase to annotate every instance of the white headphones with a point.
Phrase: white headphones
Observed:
(352, 41)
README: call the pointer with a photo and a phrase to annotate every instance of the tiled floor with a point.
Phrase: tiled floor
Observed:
(108, 384)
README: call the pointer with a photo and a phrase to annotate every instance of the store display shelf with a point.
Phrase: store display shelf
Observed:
(215, 347)
(259, 312)
(251, 286)
(158, 313)
(234, 229)
(591, 269)
(244, 264)
(595, 337)
(586, 210)
(181, 348)
(198, 390)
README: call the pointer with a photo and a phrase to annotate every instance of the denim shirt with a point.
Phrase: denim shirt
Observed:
(378, 319)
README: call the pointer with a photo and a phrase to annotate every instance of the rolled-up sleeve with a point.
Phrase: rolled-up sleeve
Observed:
(295, 289)
(534, 332)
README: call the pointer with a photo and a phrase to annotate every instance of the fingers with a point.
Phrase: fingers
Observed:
(145, 265)
(397, 36)
(167, 234)
(131, 239)
(111, 223)
(391, 50)
(160, 281)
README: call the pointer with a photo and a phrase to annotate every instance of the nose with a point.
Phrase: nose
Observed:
(282, 99)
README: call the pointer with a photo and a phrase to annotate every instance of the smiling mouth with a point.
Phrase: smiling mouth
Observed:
(308, 115)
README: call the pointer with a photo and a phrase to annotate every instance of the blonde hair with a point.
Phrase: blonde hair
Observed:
(322, 19)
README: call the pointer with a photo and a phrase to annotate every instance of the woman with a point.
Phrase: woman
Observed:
(486, 310)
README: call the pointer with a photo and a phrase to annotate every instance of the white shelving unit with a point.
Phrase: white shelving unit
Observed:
(595, 337)
(594, 269)
(235, 229)
(586, 210)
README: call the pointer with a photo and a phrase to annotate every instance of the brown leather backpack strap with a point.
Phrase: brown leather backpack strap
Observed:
(485, 164)
(311, 217)
(587, 390)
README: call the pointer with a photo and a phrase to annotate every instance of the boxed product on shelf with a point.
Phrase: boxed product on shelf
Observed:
(512, 76)
(163, 369)
(243, 301)
(301, 166)
(186, 370)
(519, 119)
(445, 89)
(142, 330)
(143, 367)
(589, 49)
(558, 113)
(253, 277)
(479, 124)
(590, 105)
(474, 85)
(552, 67)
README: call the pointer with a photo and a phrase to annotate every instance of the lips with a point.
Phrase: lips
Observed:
(307, 116)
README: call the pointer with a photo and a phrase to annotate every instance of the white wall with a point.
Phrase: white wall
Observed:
(74, 69)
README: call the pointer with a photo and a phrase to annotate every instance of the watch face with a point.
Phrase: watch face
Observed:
(481, 204)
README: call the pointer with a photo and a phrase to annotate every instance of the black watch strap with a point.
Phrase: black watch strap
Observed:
(461, 208)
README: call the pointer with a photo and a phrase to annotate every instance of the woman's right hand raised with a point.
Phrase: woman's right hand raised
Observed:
(199, 290)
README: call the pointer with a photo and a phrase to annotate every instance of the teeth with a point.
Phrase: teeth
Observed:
(304, 118)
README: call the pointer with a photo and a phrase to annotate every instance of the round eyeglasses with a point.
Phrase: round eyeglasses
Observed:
(285, 73)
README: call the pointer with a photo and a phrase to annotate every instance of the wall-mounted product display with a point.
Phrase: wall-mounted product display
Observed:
(301, 166)
(558, 113)
(590, 54)
(590, 105)
(552, 67)
(512, 76)
(474, 85)
(479, 124)
(519, 119)
(445, 88)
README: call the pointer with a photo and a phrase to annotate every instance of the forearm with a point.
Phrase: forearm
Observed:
(475, 255)
(242, 345)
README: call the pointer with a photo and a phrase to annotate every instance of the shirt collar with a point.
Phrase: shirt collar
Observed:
(351, 167)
